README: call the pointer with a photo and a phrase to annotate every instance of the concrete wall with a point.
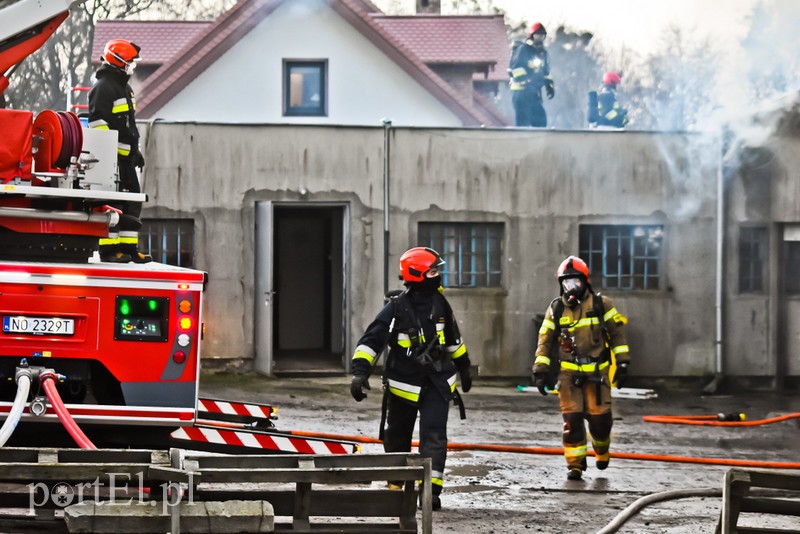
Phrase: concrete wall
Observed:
(245, 85)
(540, 184)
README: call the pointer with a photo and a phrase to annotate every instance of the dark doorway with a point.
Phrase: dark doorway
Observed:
(309, 290)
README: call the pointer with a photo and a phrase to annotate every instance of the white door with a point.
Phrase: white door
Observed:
(264, 288)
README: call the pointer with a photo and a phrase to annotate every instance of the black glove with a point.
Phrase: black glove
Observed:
(550, 89)
(466, 380)
(138, 160)
(620, 375)
(540, 381)
(357, 387)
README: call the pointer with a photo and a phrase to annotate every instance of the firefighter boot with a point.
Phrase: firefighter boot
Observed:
(574, 474)
(436, 502)
(602, 461)
(132, 251)
(113, 254)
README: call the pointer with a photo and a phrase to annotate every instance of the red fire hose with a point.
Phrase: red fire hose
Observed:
(48, 381)
(734, 419)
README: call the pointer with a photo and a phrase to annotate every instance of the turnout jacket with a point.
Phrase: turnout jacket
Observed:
(608, 109)
(591, 344)
(529, 69)
(408, 324)
(112, 106)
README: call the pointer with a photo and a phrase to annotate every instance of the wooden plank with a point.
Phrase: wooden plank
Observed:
(110, 456)
(350, 528)
(287, 461)
(43, 472)
(770, 506)
(736, 483)
(314, 476)
(302, 498)
(767, 479)
(170, 474)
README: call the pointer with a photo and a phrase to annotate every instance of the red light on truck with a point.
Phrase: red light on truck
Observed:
(179, 357)
(183, 286)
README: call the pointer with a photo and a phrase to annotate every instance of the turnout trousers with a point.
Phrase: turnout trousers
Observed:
(433, 411)
(589, 403)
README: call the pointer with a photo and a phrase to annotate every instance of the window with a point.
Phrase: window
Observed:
(473, 252)
(753, 246)
(304, 88)
(169, 241)
(622, 257)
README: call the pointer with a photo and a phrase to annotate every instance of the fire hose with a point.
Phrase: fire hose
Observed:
(48, 381)
(732, 419)
(636, 506)
(23, 379)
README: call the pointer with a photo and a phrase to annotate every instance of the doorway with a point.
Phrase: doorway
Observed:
(301, 329)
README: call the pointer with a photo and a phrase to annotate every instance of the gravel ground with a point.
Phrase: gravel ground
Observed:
(511, 493)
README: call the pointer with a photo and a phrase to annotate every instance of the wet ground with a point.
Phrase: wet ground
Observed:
(511, 493)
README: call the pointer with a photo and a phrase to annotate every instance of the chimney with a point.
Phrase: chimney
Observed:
(429, 6)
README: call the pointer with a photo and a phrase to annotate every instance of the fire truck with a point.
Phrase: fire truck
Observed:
(111, 351)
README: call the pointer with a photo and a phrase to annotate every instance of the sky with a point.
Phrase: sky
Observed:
(635, 24)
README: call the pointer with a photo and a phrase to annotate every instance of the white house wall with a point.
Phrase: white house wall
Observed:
(364, 86)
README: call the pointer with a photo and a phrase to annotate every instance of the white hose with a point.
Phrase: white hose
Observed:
(640, 503)
(23, 388)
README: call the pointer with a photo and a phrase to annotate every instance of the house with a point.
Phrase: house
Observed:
(326, 62)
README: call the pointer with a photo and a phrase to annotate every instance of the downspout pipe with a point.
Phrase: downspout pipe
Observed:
(719, 369)
(387, 127)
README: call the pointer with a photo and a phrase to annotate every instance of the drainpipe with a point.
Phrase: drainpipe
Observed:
(387, 126)
(714, 385)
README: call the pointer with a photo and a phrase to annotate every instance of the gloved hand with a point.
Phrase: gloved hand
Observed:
(357, 387)
(540, 381)
(550, 89)
(138, 160)
(466, 380)
(621, 374)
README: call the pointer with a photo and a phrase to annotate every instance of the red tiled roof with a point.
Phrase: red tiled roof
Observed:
(435, 39)
(209, 45)
(160, 40)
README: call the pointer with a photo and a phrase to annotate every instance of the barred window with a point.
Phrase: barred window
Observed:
(791, 266)
(753, 246)
(473, 252)
(622, 256)
(169, 241)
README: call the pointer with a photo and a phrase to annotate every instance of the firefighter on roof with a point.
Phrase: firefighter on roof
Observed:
(529, 70)
(589, 331)
(112, 106)
(608, 112)
(425, 355)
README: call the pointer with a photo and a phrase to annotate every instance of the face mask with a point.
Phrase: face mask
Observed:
(130, 67)
(574, 290)
(429, 285)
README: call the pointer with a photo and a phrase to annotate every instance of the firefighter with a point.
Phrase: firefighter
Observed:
(590, 332)
(112, 106)
(425, 355)
(609, 112)
(529, 70)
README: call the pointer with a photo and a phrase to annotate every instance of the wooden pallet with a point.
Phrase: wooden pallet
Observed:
(736, 499)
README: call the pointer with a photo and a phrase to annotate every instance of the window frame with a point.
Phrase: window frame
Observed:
(762, 242)
(322, 109)
(436, 235)
(180, 227)
(636, 253)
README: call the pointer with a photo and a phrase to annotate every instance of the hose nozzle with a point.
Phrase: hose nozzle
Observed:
(735, 416)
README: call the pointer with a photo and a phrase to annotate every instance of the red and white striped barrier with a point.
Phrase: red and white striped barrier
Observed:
(216, 406)
(225, 440)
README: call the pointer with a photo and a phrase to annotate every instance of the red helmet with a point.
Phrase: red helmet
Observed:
(571, 267)
(612, 79)
(120, 53)
(415, 262)
(537, 27)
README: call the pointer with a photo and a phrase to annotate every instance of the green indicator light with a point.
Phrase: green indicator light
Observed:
(152, 304)
(124, 307)
(126, 321)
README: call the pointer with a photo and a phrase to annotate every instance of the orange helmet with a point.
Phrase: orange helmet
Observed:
(612, 79)
(121, 53)
(537, 27)
(572, 267)
(415, 262)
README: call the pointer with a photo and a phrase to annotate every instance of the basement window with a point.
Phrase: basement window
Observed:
(169, 241)
(305, 88)
(473, 252)
(621, 256)
(753, 246)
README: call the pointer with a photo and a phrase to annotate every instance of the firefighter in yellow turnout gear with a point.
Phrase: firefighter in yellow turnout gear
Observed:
(590, 332)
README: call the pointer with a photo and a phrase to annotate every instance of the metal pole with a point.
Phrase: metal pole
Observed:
(387, 126)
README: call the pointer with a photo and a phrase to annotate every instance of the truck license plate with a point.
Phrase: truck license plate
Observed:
(19, 324)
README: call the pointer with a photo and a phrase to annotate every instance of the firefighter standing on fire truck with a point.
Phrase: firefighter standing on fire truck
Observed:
(112, 106)
(529, 70)
(425, 354)
(590, 332)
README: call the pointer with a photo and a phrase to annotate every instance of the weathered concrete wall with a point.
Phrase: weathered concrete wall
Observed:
(540, 184)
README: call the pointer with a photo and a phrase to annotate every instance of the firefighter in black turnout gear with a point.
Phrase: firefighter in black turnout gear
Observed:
(529, 70)
(425, 355)
(112, 106)
(590, 332)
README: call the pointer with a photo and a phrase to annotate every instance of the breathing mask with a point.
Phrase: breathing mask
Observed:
(574, 289)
